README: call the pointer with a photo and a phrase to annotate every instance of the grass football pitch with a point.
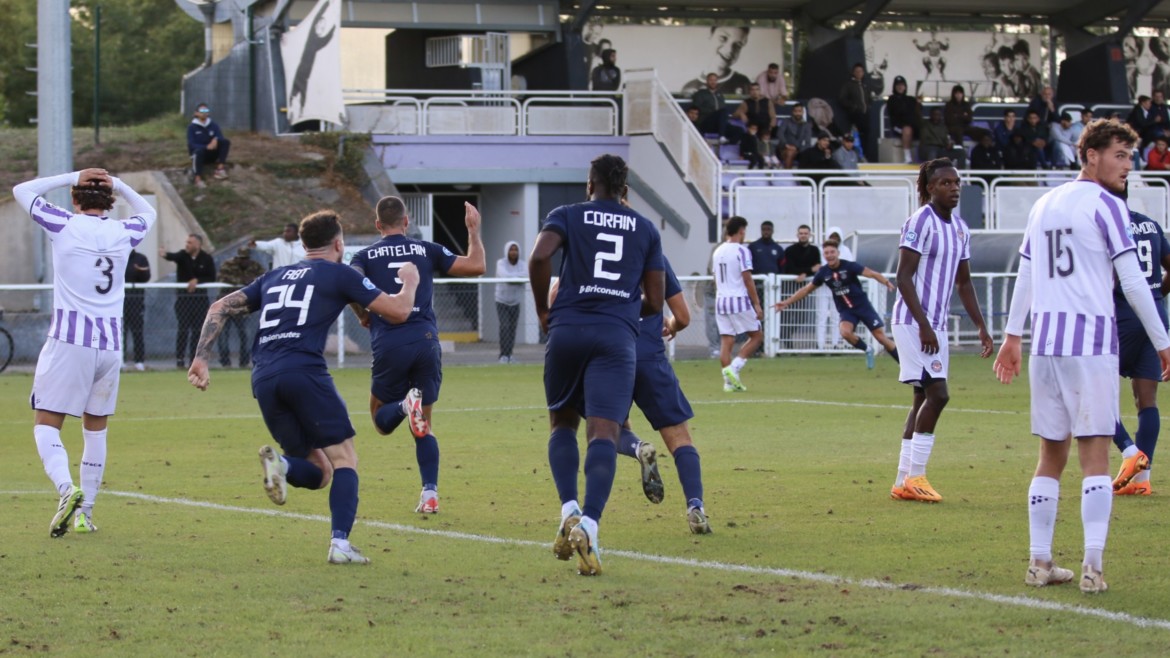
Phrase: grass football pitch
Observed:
(809, 555)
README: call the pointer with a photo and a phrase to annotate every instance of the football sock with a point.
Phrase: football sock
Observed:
(564, 458)
(93, 465)
(54, 457)
(1142, 476)
(904, 462)
(690, 473)
(388, 417)
(1096, 505)
(1043, 495)
(569, 509)
(860, 345)
(737, 364)
(343, 501)
(426, 451)
(920, 447)
(894, 355)
(1149, 425)
(302, 473)
(1130, 451)
(600, 464)
(628, 443)
(1122, 441)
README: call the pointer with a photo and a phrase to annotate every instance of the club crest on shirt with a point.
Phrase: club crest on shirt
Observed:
(936, 365)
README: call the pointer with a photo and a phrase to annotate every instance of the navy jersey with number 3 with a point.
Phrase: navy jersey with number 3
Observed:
(1152, 246)
(607, 247)
(298, 304)
(380, 263)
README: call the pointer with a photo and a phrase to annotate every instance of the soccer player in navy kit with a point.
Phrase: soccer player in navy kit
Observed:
(843, 279)
(407, 360)
(1138, 360)
(290, 380)
(611, 275)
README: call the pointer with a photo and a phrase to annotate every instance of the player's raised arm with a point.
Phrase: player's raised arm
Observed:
(540, 271)
(474, 263)
(233, 304)
(395, 309)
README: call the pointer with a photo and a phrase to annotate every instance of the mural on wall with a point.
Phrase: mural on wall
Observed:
(988, 65)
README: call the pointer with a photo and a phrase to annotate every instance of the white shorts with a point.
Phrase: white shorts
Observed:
(916, 364)
(733, 324)
(72, 379)
(1074, 396)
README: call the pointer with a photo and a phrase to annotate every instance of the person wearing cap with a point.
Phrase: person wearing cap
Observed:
(846, 155)
(206, 144)
(237, 272)
(905, 117)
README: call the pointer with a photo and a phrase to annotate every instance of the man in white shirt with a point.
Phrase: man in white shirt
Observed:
(285, 250)
(78, 368)
(773, 86)
(737, 304)
(1075, 241)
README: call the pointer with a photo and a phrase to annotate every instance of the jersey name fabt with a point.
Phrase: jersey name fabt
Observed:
(380, 263)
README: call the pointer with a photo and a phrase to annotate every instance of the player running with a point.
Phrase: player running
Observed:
(934, 260)
(1138, 360)
(611, 275)
(852, 303)
(290, 380)
(737, 303)
(1076, 239)
(407, 360)
(80, 364)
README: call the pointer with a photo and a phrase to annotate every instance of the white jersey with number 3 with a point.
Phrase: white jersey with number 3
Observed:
(730, 261)
(89, 261)
(1074, 234)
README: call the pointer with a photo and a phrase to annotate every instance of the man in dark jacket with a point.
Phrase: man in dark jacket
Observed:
(853, 99)
(710, 102)
(193, 266)
(606, 75)
(238, 272)
(206, 144)
(802, 258)
(134, 306)
(905, 117)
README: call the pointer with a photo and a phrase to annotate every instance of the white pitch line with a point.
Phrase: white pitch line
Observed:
(868, 583)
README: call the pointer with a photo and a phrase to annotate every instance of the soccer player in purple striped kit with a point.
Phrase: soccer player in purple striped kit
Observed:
(1076, 241)
(78, 368)
(934, 262)
(611, 275)
(290, 379)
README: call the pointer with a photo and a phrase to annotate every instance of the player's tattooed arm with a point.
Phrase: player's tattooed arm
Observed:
(233, 304)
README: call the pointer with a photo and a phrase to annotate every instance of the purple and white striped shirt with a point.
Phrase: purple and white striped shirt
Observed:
(1074, 233)
(89, 262)
(943, 245)
(729, 263)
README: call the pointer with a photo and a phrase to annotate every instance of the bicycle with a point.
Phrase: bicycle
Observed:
(7, 347)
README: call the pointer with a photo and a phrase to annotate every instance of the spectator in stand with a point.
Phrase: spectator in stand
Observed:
(818, 156)
(986, 154)
(206, 144)
(767, 254)
(934, 142)
(772, 85)
(710, 102)
(905, 117)
(1160, 114)
(1003, 132)
(1064, 142)
(606, 75)
(237, 272)
(1019, 155)
(853, 99)
(134, 306)
(758, 111)
(795, 135)
(1079, 128)
(750, 148)
(1036, 134)
(847, 156)
(693, 116)
(1158, 158)
(1045, 106)
(1143, 120)
(193, 266)
(1086, 118)
(803, 259)
(286, 249)
(957, 116)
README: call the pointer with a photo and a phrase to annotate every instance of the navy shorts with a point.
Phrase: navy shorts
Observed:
(303, 411)
(1136, 356)
(590, 368)
(658, 394)
(403, 367)
(862, 314)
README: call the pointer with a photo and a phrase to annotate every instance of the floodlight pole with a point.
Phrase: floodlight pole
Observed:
(54, 106)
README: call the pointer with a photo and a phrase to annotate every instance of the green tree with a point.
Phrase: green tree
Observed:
(17, 106)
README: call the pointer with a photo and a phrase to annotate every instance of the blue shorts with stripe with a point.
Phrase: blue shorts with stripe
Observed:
(591, 368)
(303, 411)
(658, 394)
(403, 367)
(862, 314)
